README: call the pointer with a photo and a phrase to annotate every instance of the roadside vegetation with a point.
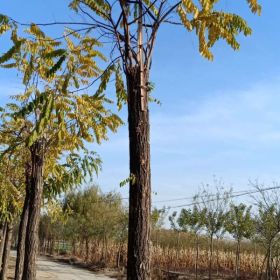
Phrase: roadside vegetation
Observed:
(235, 241)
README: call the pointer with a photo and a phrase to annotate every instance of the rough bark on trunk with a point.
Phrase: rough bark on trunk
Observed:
(36, 190)
(2, 243)
(138, 262)
(23, 226)
(6, 253)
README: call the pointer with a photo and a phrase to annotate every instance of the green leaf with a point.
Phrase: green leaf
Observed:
(104, 80)
(55, 53)
(56, 67)
(9, 54)
(120, 88)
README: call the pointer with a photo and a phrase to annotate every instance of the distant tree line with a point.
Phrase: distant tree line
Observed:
(93, 226)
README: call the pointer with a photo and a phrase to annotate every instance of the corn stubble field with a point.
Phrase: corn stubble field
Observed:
(167, 257)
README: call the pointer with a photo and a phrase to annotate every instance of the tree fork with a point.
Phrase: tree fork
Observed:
(138, 265)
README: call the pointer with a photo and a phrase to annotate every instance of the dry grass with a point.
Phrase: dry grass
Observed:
(173, 259)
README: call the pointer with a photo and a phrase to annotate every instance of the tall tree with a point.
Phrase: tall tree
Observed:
(213, 208)
(158, 217)
(132, 27)
(94, 215)
(11, 132)
(192, 220)
(240, 225)
(57, 119)
(11, 193)
(268, 225)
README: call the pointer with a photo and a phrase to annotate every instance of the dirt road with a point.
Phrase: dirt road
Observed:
(49, 270)
(57, 271)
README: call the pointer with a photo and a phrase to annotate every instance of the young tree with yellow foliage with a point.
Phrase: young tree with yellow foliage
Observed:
(11, 193)
(61, 174)
(53, 119)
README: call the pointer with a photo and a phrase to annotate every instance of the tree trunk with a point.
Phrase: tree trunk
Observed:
(23, 226)
(196, 257)
(74, 247)
(52, 251)
(211, 257)
(105, 249)
(119, 255)
(2, 243)
(36, 190)
(269, 264)
(217, 256)
(177, 249)
(87, 249)
(138, 263)
(255, 261)
(1, 232)
(237, 260)
(6, 253)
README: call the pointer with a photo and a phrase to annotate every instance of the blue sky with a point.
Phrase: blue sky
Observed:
(217, 118)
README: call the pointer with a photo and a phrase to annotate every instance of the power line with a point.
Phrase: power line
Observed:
(191, 197)
(231, 196)
(178, 199)
(234, 194)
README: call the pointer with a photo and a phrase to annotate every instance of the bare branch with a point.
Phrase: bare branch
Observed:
(98, 78)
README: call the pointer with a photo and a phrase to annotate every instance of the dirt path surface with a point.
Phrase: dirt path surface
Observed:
(56, 271)
(50, 270)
